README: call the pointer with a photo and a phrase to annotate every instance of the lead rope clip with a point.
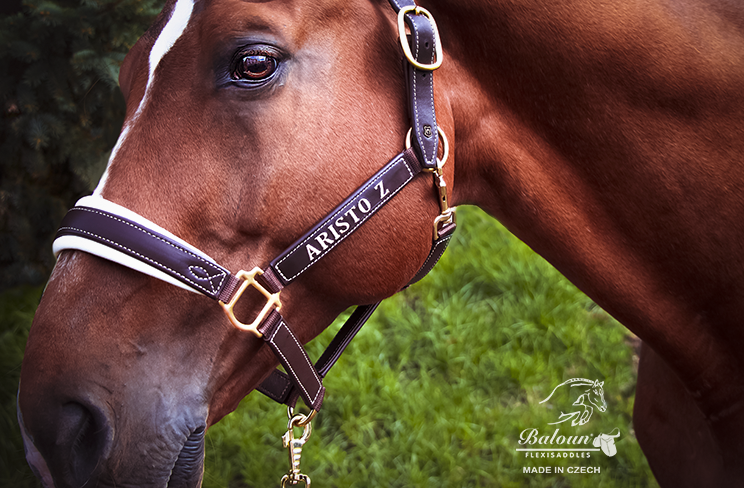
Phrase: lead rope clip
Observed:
(294, 445)
(447, 214)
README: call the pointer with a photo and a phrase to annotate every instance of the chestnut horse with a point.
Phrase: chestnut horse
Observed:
(608, 136)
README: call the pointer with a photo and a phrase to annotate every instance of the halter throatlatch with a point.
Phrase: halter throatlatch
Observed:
(113, 232)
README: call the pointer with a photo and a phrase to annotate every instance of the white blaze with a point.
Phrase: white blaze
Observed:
(173, 30)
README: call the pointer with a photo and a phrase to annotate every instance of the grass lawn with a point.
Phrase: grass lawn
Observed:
(435, 390)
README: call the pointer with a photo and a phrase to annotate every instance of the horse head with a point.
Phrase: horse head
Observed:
(246, 123)
(594, 395)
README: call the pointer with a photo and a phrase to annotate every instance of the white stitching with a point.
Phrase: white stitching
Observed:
(208, 279)
(145, 231)
(361, 221)
(415, 90)
(369, 214)
(431, 97)
(431, 254)
(289, 366)
(415, 84)
(196, 285)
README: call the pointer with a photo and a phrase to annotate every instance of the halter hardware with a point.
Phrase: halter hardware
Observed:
(110, 231)
(445, 148)
(448, 214)
(447, 218)
(303, 420)
(272, 301)
(294, 445)
(406, 48)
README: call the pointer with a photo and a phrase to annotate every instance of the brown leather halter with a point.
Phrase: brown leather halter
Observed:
(113, 232)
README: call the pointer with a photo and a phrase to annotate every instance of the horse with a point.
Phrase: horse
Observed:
(607, 136)
(594, 395)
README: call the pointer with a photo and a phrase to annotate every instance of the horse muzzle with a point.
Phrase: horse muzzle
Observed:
(68, 450)
(77, 448)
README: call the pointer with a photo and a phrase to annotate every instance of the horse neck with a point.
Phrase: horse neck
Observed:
(579, 127)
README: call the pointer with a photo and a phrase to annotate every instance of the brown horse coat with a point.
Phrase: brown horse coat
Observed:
(607, 136)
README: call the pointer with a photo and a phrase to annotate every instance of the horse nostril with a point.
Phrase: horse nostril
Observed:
(82, 438)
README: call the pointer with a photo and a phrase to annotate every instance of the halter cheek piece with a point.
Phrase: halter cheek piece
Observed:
(110, 231)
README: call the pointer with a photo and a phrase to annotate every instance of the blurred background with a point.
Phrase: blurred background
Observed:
(476, 345)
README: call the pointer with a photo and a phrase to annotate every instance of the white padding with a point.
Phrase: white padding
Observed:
(82, 244)
(101, 203)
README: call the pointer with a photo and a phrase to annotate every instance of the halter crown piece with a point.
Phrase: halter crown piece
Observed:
(110, 231)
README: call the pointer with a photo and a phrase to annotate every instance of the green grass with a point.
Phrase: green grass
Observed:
(17, 308)
(436, 389)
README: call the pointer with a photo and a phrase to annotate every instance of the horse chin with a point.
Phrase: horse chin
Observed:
(189, 467)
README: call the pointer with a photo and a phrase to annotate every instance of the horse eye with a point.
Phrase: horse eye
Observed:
(254, 67)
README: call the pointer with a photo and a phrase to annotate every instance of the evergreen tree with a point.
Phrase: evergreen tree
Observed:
(61, 114)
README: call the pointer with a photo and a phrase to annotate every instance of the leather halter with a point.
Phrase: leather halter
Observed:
(110, 231)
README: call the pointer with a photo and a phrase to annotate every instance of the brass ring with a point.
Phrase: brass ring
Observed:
(304, 420)
(445, 143)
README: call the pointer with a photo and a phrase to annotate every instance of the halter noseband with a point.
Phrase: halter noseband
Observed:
(110, 231)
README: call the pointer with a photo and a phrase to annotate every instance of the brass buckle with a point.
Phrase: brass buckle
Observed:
(272, 301)
(407, 49)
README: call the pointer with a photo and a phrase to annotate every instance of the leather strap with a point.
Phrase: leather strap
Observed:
(139, 241)
(289, 350)
(136, 238)
(346, 218)
(280, 387)
(437, 250)
(420, 83)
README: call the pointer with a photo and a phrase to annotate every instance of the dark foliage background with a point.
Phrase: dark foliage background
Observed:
(61, 115)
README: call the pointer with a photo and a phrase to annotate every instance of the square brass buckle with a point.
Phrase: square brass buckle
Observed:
(272, 301)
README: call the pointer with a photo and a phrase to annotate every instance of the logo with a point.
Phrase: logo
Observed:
(593, 395)
(607, 442)
(557, 444)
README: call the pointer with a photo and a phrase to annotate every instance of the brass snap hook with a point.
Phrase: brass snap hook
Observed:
(294, 476)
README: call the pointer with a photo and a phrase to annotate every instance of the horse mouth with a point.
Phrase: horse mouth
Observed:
(188, 470)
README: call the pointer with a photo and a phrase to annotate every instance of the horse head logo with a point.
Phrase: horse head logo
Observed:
(593, 396)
